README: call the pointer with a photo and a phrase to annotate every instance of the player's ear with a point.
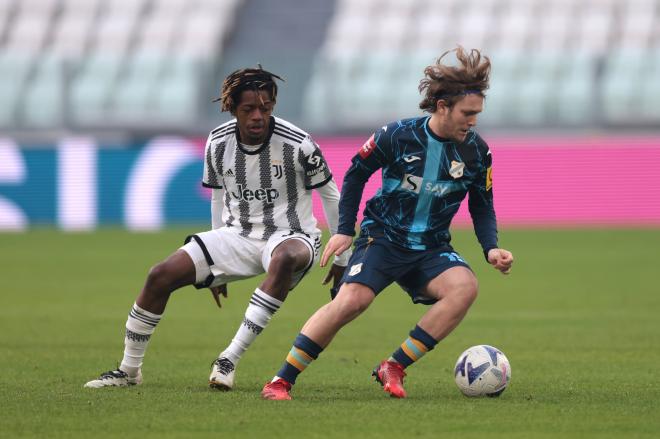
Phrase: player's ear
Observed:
(441, 106)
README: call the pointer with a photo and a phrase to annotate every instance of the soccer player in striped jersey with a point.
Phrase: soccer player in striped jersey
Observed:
(262, 170)
(429, 165)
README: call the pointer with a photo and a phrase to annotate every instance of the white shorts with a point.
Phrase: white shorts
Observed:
(235, 257)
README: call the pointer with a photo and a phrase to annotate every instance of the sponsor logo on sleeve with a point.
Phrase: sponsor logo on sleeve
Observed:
(489, 178)
(316, 164)
(368, 147)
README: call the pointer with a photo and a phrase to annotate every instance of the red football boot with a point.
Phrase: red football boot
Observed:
(390, 375)
(277, 390)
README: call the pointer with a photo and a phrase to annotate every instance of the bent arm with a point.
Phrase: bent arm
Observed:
(485, 222)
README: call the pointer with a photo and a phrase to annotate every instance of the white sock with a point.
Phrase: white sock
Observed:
(139, 327)
(258, 314)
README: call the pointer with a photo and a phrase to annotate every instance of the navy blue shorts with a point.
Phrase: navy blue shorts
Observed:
(377, 262)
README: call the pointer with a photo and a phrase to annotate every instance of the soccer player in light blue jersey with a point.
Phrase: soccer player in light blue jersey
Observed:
(429, 165)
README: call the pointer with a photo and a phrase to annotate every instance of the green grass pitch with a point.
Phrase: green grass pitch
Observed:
(578, 319)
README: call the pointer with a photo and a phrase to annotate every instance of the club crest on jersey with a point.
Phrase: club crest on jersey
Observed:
(262, 194)
(355, 269)
(456, 170)
(368, 147)
(277, 171)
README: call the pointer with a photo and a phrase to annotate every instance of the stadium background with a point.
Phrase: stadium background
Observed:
(107, 103)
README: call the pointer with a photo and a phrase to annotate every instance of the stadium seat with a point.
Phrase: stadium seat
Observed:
(43, 103)
(177, 99)
(575, 93)
(621, 90)
(136, 87)
(14, 68)
(92, 88)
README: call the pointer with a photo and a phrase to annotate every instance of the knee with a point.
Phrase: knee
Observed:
(351, 301)
(467, 291)
(159, 279)
(284, 262)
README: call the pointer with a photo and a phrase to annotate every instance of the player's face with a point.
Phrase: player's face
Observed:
(253, 116)
(457, 120)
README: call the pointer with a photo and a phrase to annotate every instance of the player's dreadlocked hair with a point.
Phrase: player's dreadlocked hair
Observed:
(451, 83)
(246, 79)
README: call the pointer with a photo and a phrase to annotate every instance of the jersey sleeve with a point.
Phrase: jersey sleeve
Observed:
(481, 205)
(316, 169)
(212, 176)
(373, 155)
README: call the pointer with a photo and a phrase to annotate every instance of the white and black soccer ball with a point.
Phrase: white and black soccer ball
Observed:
(482, 371)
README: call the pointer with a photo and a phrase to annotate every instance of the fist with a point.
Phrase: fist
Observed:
(501, 259)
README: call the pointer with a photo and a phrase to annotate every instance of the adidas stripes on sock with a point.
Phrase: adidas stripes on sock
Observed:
(258, 314)
(139, 327)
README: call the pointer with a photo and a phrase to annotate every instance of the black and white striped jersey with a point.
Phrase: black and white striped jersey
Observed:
(267, 189)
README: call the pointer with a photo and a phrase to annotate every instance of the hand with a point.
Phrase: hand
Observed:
(500, 259)
(337, 245)
(335, 273)
(217, 291)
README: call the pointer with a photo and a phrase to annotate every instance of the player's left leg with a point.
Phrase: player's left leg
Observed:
(451, 294)
(286, 259)
(176, 271)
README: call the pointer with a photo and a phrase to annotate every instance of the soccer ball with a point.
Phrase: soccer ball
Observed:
(482, 371)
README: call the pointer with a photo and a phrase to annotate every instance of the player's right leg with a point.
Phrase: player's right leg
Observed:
(286, 258)
(175, 272)
(450, 287)
(318, 332)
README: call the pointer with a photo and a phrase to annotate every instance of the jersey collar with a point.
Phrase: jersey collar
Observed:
(430, 132)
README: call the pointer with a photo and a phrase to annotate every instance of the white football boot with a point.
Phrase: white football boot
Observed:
(222, 374)
(115, 378)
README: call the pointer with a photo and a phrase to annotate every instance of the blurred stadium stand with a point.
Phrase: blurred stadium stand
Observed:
(120, 64)
(556, 63)
(152, 66)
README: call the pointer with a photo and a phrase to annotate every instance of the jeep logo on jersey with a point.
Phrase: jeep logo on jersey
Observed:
(412, 183)
(261, 194)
